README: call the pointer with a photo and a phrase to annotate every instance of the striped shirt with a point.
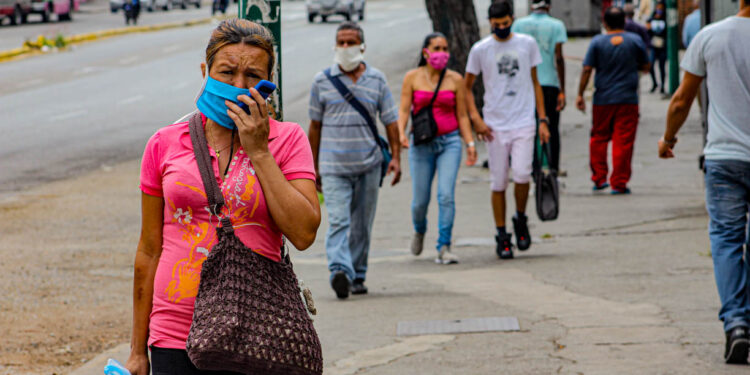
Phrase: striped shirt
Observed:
(347, 146)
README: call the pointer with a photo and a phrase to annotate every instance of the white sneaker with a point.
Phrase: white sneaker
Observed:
(445, 256)
(417, 243)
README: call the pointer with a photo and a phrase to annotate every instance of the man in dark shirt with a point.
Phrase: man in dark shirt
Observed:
(617, 57)
(635, 27)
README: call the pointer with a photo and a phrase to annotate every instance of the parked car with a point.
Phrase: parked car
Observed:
(324, 8)
(15, 10)
(63, 9)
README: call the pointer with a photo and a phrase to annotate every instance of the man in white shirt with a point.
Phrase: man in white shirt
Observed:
(508, 64)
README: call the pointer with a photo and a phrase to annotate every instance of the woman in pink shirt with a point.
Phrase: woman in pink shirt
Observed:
(267, 177)
(443, 153)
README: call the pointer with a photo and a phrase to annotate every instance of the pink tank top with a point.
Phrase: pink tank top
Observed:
(444, 108)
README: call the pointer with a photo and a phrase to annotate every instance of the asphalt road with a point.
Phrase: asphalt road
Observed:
(96, 104)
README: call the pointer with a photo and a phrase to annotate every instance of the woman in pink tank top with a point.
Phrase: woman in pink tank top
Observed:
(443, 153)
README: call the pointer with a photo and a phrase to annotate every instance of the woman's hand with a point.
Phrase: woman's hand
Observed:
(138, 364)
(404, 140)
(471, 155)
(253, 128)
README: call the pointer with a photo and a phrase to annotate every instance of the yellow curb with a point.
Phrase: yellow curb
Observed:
(15, 53)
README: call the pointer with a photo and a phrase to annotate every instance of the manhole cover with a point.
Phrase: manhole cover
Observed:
(471, 325)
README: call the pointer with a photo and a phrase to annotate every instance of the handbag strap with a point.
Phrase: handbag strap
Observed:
(437, 89)
(352, 100)
(202, 156)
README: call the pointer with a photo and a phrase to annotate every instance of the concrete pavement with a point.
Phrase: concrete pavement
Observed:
(617, 285)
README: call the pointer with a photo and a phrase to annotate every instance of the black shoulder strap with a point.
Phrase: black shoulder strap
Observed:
(349, 97)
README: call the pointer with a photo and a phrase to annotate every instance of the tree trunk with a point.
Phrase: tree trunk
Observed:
(457, 19)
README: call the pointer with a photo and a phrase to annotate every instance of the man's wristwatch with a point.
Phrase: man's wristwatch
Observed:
(470, 144)
(544, 120)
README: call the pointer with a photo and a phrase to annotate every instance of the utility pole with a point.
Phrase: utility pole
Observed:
(673, 45)
(268, 14)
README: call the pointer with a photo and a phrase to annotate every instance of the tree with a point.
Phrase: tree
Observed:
(457, 19)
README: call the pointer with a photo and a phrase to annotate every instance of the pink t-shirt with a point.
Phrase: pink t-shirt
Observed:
(169, 170)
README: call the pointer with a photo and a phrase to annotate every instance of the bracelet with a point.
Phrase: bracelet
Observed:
(544, 120)
(470, 144)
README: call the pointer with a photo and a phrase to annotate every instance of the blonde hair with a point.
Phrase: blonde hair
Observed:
(234, 31)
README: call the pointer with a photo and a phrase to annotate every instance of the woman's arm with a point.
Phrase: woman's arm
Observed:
(146, 261)
(464, 125)
(293, 205)
(407, 92)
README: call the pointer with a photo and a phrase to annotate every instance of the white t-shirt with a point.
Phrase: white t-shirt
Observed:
(509, 101)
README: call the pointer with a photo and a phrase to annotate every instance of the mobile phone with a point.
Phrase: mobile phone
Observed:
(265, 88)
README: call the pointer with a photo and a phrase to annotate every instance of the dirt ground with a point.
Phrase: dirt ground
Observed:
(67, 256)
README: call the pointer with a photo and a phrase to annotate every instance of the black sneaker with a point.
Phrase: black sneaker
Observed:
(504, 247)
(737, 346)
(340, 284)
(358, 287)
(523, 237)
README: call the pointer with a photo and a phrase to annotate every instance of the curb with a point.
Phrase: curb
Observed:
(14, 53)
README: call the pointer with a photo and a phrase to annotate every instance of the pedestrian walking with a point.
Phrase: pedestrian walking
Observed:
(267, 180)
(692, 24)
(508, 63)
(350, 157)
(550, 35)
(657, 29)
(435, 88)
(617, 56)
(718, 56)
(635, 27)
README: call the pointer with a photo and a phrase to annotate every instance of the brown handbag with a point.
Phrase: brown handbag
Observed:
(249, 315)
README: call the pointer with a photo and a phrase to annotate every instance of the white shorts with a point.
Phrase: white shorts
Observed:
(511, 149)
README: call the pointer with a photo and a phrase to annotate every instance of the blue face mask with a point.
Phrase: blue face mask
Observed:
(211, 101)
(502, 33)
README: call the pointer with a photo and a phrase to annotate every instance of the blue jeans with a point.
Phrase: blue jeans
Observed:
(351, 202)
(727, 198)
(444, 155)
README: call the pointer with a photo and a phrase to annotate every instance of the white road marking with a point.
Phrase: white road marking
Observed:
(129, 60)
(132, 99)
(69, 115)
(180, 86)
(172, 48)
(294, 17)
(404, 20)
(86, 70)
(29, 83)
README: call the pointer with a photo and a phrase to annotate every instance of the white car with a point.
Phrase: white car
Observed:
(324, 8)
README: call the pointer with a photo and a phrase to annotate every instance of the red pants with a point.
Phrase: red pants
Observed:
(616, 123)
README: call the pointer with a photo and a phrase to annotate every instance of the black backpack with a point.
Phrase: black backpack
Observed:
(547, 191)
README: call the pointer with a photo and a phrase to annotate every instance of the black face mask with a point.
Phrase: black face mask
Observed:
(502, 33)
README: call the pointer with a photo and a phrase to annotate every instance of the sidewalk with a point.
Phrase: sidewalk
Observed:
(617, 285)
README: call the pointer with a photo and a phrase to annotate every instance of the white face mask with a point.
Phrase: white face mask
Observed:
(349, 58)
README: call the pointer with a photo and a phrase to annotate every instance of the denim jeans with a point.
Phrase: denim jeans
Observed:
(727, 198)
(442, 154)
(351, 202)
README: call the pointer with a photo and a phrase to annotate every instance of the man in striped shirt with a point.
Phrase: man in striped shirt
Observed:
(348, 159)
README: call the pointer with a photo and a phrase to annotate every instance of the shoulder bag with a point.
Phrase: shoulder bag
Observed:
(249, 315)
(423, 125)
(381, 142)
(547, 192)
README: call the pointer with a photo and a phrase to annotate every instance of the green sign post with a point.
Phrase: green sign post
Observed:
(268, 14)
(673, 45)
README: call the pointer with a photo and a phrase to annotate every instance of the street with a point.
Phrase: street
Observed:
(616, 285)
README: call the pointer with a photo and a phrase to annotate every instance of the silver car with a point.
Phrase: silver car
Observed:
(324, 8)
